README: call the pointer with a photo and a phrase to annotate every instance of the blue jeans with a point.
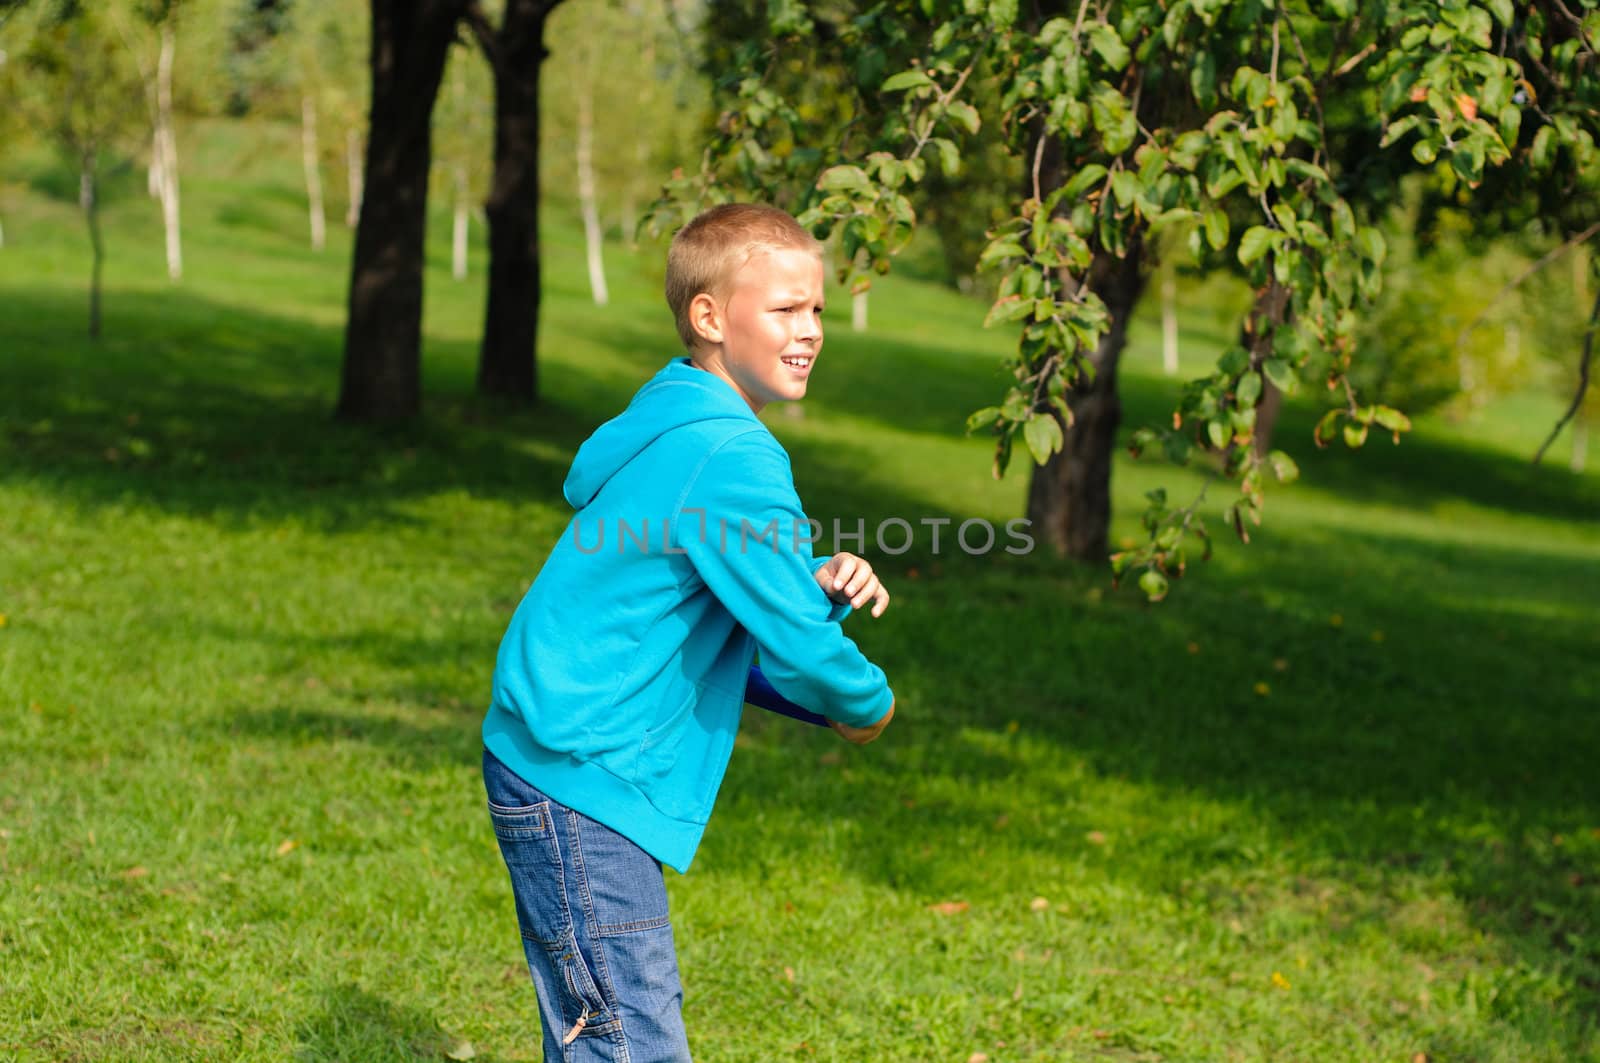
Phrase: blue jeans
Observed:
(593, 911)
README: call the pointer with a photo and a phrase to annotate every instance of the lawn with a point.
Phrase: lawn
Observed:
(1336, 799)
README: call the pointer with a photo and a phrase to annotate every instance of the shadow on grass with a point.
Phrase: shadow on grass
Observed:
(199, 408)
(356, 1024)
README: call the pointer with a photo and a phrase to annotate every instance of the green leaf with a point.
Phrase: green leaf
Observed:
(1126, 187)
(1042, 433)
(983, 418)
(1257, 239)
(1355, 435)
(1203, 79)
(1281, 373)
(1425, 151)
(844, 179)
(1217, 229)
(906, 79)
(1003, 248)
(1392, 419)
(1543, 142)
(1501, 10)
(1104, 40)
(1114, 119)
(1010, 308)
(1283, 466)
(965, 115)
(1083, 180)
(1399, 129)
(1248, 390)
(949, 155)
(1220, 432)
(1373, 249)
(1325, 427)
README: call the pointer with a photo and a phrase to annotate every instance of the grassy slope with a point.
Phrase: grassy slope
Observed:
(245, 652)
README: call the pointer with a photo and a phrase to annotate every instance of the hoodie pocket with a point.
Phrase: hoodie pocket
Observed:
(681, 762)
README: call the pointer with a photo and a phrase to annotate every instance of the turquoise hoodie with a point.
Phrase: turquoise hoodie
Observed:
(620, 681)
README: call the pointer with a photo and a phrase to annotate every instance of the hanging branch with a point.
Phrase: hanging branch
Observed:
(1583, 379)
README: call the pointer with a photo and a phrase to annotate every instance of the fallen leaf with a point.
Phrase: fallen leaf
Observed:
(1420, 1057)
(949, 907)
(1001, 820)
(462, 1050)
(1095, 837)
(978, 1057)
(1194, 647)
(287, 846)
(1013, 727)
(2, 620)
(830, 758)
(1377, 636)
(135, 872)
(1279, 980)
(1263, 689)
(1039, 904)
(1336, 620)
(1280, 664)
(1016, 994)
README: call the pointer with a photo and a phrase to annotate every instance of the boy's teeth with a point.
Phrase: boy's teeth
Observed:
(797, 362)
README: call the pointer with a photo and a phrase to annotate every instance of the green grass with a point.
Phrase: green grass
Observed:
(246, 650)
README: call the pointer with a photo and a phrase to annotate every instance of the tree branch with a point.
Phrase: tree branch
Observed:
(1583, 379)
(478, 22)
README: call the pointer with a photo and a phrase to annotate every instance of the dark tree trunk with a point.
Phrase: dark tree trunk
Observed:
(507, 361)
(383, 330)
(1069, 497)
(1269, 313)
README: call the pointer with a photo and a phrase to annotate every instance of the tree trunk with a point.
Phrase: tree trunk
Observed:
(592, 235)
(1270, 312)
(458, 232)
(1580, 444)
(382, 371)
(313, 171)
(352, 176)
(1069, 497)
(507, 364)
(89, 200)
(858, 312)
(169, 153)
(1169, 319)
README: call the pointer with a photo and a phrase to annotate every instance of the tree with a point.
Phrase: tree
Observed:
(515, 49)
(462, 126)
(381, 377)
(81, 93)
(151, 35)
(1262, 132)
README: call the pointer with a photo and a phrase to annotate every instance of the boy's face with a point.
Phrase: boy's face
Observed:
(765, 336)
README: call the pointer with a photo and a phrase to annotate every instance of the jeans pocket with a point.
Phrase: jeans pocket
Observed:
(533, 858)
(583, 1007)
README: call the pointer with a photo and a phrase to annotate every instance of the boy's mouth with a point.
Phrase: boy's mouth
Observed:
(798, 361)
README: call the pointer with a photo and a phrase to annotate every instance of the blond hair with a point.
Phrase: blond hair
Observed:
(708, 251)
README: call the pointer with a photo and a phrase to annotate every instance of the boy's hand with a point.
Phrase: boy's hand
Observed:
(847, 578)
(862, 735)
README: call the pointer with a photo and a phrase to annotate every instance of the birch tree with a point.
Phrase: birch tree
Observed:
(462, 129)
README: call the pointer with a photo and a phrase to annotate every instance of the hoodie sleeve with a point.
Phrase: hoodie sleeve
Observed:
(743, 529)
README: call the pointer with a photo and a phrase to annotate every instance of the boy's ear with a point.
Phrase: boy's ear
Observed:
(705, 317)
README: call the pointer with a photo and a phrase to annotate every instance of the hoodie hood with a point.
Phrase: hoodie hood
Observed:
(678, 395)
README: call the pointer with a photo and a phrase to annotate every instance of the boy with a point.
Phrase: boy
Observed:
(620, 681)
